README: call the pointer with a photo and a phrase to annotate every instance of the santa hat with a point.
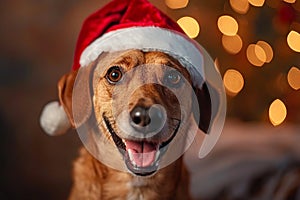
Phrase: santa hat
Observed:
(123, 25)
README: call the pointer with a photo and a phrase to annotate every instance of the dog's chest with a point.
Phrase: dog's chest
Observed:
(122, 185)
(139, 188)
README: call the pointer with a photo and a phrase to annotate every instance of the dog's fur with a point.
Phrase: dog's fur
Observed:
(94, 180)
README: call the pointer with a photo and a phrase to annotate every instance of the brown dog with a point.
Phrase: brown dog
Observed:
(102, 82)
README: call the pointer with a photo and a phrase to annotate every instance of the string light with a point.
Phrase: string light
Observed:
(232, 44)
(257, 3)
(255, 55)
(233, 82)
(176, 4)
(277, 112)
(190, 26)
(293, 78)
(293, 40)
(228, 25)
(267, 50)
(240, 6)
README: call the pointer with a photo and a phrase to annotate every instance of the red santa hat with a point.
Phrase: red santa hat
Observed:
(136, 24)
(131, 24)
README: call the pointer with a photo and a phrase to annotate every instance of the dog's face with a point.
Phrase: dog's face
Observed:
(132, 99)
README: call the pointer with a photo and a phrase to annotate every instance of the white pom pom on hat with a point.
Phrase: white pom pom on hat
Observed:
(54, 120)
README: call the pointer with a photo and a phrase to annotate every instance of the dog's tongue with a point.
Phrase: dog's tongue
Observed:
(142, 153)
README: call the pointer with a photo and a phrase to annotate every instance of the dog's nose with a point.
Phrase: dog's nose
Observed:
(152, 117)
(140, 116)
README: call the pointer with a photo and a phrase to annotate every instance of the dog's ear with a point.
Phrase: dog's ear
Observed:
(204, 103)
(65, 91)
(78, 81)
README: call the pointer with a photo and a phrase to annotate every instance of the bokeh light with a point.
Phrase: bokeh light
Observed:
(293, 40)
(228, 25)
(260, 53)
(255, 55)
(267, 49)
(190, 26)
(277, 112)
(233, 82)
(293, 78)
(240, 6)
(290, 1)
(232, 44)
(257, 3)
(176, 4)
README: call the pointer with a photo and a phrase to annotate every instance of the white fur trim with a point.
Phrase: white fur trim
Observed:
(178, 45)
(54, 120)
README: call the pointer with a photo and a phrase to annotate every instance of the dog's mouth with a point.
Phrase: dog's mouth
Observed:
(141, 156)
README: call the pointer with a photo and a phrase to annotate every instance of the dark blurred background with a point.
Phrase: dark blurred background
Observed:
(37, 43)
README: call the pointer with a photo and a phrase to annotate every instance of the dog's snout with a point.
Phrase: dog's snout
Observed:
(140, 116)
(147, 119)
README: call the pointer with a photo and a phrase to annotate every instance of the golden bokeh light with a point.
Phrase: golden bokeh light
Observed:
(293, 40)
(257, 3)
(253, 51)
(267, 49)
(233, 82)
(228, 25)
(260, 53)
(277, 112)
(190, 26)
(232, 44)
(290, 1)
(176, 4)
(240, 6)
(294, 78)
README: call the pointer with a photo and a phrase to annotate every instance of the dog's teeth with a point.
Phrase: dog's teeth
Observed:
(157, 155)
(131, 157)
(130, 154)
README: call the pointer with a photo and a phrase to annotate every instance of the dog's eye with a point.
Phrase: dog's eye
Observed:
(114, 74)
(172, 78)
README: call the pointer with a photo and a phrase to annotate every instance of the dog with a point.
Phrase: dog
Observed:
(103, 82)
